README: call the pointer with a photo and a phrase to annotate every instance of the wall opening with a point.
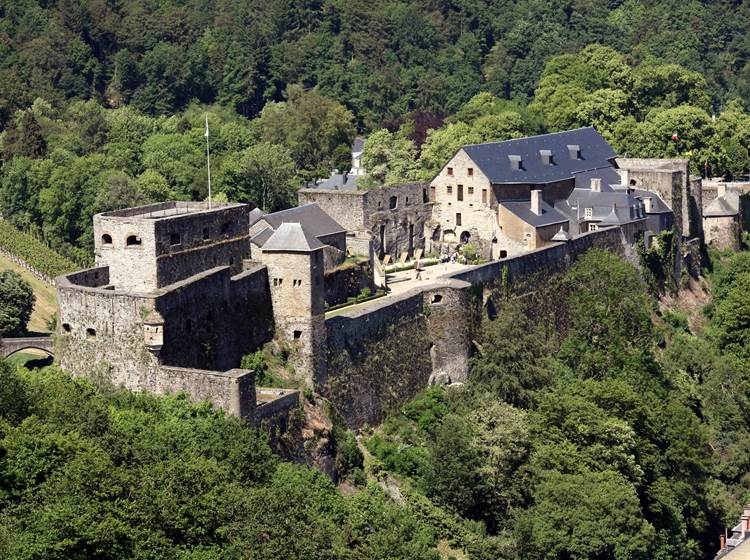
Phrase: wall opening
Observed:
(392, 202)
(460, 193)
(107, 239)
(297, 335)
(174, 239)
(90, 333)
(465, 237)
(458, 218)
(206, 234)
(133, 241)
(411, 239)
(425, 198)
(382, 242)
(66, 327)
(437, 298)
(503, 254)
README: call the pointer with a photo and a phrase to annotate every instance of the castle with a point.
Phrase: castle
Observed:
(181, 291)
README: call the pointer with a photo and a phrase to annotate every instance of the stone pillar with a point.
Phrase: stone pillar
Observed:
(449, 328)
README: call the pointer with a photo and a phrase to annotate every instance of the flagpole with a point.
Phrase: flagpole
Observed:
(208, 160)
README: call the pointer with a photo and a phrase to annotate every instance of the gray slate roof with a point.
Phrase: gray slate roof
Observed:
(522, 209)
(292, 237)
(312, 218)
(260, 238)
(339, 182)
(658, 206)
(726, 205)
(255, 215)
(609, 176)
(493, 157)
(601, 204)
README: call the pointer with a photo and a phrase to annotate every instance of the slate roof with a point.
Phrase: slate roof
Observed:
(291, 236)
(658, 206)
(601, 204)
(609, 176)
(255, 215)
(260, 238)
(522, 209)
(561, 235)
(725, 205)
(339, 182)
(312, 218)
(493, 157)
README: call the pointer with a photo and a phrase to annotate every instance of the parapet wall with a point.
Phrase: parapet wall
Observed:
(379, 357)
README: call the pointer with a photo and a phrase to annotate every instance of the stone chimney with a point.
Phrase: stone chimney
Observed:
(722, 542)
(596, 184)
(536, 202)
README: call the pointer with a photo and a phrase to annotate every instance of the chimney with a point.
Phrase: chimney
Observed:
(722, 542)
(596, 184)
(647, 202)
(536, 202)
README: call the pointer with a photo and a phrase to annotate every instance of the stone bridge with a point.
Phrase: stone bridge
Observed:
(10, 346)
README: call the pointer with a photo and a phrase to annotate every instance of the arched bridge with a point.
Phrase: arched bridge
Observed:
(10, 346)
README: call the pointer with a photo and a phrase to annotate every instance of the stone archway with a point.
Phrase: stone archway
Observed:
(465, 237)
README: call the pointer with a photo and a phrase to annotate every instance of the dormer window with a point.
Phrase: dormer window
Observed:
(589, 212)
(574, 150)
(515, 162)
(546, 156)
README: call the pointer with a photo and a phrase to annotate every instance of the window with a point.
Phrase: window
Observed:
(470, 171)
(297, 335)
(450, 189)
(450, 172)
(277, 281)
(484, 196)
(90, 333)
(425, 200)
(174, 239)
(66, 327)
(503, 254)
(437, 298)
(589, 212)
(296, 283)
(231, 261)
(132, 241)
(471, 190)
(460, 193)
(393, 202)
(433, 193)
(458, 218)
(593, 227)
(574, 151)
(407, 201)
(515, 162)
(546, 156)
(205, 234)
(107, 239)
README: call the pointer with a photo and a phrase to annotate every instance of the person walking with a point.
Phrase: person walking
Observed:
(418, 267)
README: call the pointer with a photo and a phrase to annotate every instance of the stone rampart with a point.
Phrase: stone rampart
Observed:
(381, 355)
(233, 390)
(347, 281)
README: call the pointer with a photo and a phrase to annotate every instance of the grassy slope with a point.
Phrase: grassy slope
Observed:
(46, 297)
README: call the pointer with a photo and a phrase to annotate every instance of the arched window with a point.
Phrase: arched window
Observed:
(132, 240)
(66, 327)
(106, 239)
(90, 333)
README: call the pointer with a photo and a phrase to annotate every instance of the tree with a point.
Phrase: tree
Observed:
(732, 318)
(16, 303)
(263, 174)
(24, 137)
(389, 158)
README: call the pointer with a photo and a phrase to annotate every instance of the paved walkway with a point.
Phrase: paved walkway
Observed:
(404, 281)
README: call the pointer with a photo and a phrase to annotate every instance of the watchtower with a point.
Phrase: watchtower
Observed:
(295, 264)
(149, 247)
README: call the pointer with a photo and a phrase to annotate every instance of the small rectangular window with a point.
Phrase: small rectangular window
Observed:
(433, 193)
(458, 218)
(484, 196)
(470, 171)
(589, 212)
(460, 194)
(471, 190)
(450, 171)
(450, 189)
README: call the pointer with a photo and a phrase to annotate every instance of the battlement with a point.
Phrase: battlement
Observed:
(151, 246)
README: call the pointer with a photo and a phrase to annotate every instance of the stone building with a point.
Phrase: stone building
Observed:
(722, 220)
(313, 220)
(385, 221)
(174, 302)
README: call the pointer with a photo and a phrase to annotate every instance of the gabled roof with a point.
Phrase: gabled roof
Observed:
(601, 204)
(339, 182)
(522, 209)
(255, 215)
(726, 205)
(313, 219)
(495, 161)
(658, 206)
(609, 176)
(260, 238)
(292, 237)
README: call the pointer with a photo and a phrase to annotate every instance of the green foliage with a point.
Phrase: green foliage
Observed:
(16, 303)
(33, 252)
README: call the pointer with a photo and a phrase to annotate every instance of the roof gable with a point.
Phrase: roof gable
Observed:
(312, 218)
(292, 237)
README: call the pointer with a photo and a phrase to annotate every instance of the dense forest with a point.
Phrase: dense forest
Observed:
(607, 426)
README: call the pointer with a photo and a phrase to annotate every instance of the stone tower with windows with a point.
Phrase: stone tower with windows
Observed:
(294, 259)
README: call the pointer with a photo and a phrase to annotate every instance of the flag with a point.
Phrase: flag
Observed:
(674, 136)
(206, 134)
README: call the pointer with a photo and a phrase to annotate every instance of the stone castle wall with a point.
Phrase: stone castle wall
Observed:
(381, 356)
